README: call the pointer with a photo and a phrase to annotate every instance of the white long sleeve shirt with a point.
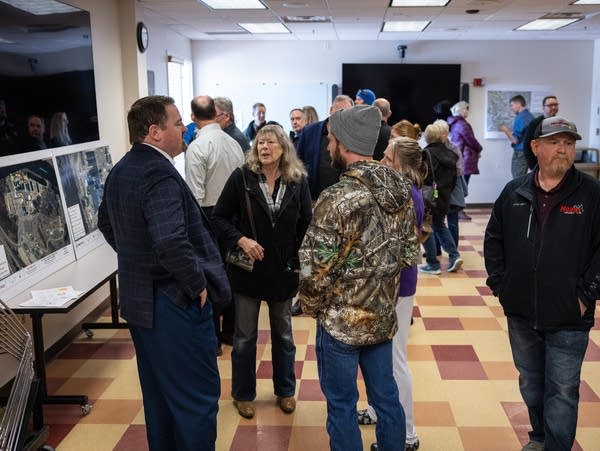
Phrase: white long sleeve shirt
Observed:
(209, 161)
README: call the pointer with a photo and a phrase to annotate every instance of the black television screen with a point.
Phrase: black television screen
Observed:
(47, 86)
(412, 89)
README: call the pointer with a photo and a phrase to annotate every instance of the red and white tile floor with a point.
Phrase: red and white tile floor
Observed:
(465, 385)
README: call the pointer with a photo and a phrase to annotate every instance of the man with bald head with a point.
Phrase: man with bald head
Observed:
(211, 157)
(385, 130)
(209, 161)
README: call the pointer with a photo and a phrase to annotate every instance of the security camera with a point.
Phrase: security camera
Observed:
(402, 49)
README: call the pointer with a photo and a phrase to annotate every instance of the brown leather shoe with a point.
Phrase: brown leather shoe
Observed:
(244, 408)
(287, 404)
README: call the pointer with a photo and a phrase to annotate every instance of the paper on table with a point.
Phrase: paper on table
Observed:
(52, 297)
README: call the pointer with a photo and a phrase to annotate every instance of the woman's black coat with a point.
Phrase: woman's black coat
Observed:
(275, 278)
(444, 168)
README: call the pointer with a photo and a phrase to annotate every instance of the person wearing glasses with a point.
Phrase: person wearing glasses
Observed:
(226, 120)
(550, 109)
(268, 226)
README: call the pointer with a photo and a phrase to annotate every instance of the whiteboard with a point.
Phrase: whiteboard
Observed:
(279, 98)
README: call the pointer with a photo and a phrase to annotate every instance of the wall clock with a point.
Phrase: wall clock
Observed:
(142, 37)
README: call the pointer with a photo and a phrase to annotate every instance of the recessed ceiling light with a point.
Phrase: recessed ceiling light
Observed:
(547, 24)
(41, 7)
(405, 25)
(414, 3)
(268, 27)
(586, 2)
(234, 4)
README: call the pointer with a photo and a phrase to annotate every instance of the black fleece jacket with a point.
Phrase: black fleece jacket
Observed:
(539, 275)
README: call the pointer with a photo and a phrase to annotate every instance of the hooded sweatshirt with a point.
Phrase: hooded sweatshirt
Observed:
(361, 236)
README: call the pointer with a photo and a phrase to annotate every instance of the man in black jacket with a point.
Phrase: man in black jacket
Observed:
(542, 255)
(550, 109)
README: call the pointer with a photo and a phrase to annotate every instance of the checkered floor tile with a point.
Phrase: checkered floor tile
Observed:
(465, 385)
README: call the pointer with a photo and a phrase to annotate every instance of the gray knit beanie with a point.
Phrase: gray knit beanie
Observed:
(357, 128)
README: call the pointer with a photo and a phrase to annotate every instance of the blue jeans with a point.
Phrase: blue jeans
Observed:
(549, 365)
(518, 164)
(243, 356)
(452, 218)
(441, 232)
(338, 363)
(177, 365)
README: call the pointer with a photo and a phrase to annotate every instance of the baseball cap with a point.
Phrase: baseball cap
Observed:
(554, 125)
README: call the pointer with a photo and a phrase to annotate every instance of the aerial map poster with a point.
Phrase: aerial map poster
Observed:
(82, 170)
(34, 237)
(497, 108)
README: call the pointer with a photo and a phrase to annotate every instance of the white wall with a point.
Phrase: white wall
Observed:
(164, 42)
(505, 62)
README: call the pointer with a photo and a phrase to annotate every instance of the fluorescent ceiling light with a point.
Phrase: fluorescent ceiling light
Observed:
(41, 7)
(399, 26)
(547, 24)
(271, 27)
(419, 2)
(234, 4)
(586, 2)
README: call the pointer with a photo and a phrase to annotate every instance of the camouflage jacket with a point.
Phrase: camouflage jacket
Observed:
(361, 236)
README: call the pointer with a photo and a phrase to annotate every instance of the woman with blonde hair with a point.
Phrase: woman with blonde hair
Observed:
(268, 228)
(441, 179)
(311, 114)
(405, 156)
(59, 130)
(406, 128)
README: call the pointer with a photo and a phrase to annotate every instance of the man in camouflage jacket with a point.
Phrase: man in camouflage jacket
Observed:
(361, 236)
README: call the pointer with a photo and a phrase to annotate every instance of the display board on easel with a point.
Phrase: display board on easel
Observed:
(34, 236)
(82, 170)
(49, 203)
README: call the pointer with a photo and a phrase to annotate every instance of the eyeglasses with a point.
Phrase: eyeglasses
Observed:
(551, 105)
(220, 114)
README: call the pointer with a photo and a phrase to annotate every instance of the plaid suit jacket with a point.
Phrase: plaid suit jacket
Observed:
(150, 217)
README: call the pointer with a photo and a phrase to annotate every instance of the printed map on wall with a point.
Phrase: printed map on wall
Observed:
(82, 171)
(497, 108)
(34, 237)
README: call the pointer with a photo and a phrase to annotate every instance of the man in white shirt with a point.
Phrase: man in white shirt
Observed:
(209, 161)
(211, 157)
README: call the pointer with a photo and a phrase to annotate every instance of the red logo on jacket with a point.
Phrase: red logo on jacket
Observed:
(571, 209)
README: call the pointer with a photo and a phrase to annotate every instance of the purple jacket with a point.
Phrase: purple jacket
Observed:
(461, 134)
(408, 276)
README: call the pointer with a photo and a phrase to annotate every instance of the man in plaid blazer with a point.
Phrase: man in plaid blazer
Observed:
(169, 267)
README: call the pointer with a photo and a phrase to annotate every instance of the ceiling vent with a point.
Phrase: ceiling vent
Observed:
(306, 19)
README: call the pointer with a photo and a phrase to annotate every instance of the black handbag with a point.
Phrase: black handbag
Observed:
(237, 256)
(430, 192)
